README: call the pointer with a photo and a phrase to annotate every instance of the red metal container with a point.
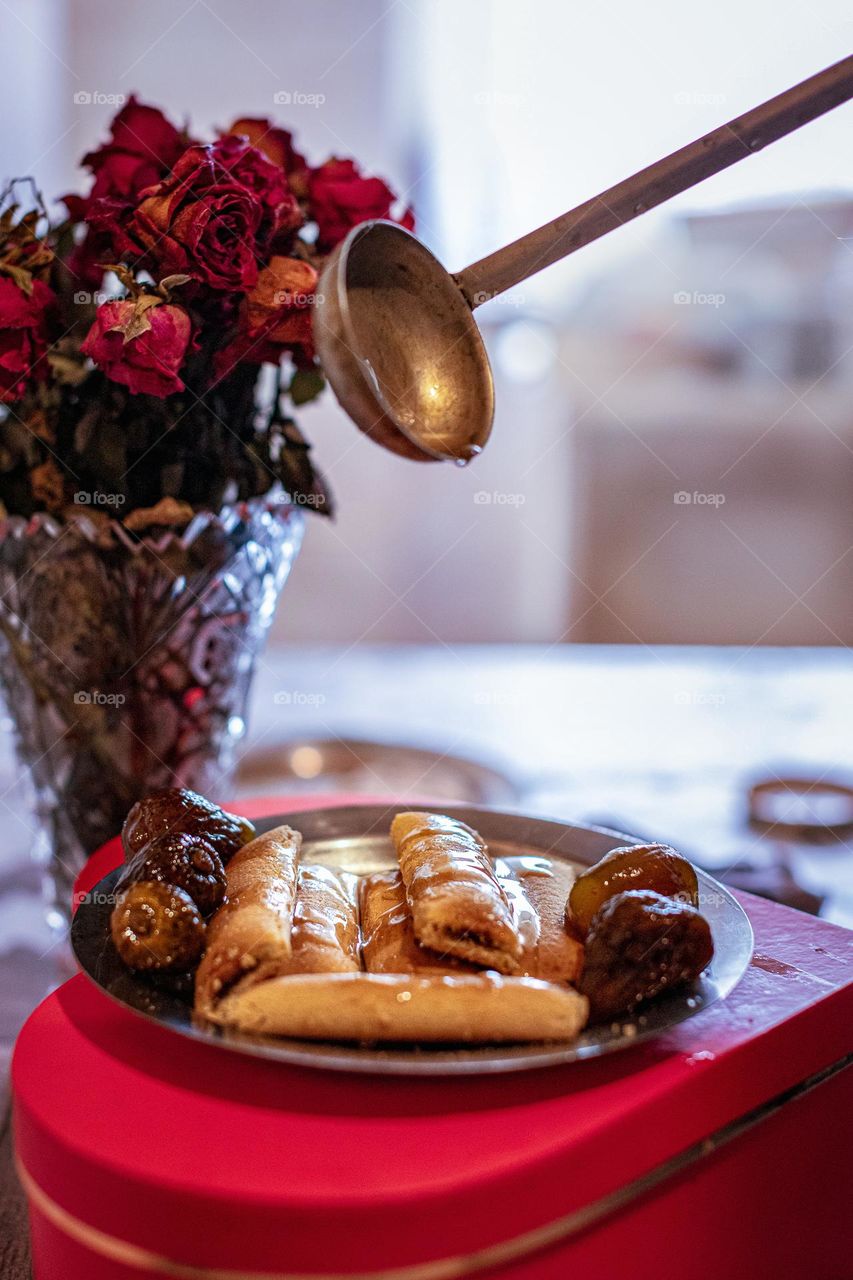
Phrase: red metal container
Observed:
(724, 1148)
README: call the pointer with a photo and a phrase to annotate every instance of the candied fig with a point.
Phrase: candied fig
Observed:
(638, 866)
(177, 809)
(640, 944)
(157, 926)
(188, 861)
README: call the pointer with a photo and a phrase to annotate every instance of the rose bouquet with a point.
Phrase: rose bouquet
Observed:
(153, 344)
(134, 333)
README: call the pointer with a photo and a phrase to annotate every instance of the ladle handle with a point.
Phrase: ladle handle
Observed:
(659, 182)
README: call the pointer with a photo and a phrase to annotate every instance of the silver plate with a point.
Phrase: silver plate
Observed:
(355, 838)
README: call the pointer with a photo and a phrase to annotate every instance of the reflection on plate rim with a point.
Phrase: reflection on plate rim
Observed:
(347, 825)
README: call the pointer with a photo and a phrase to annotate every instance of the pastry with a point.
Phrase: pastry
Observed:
(482, 1008)
(537, 889)
(389, 944)
(458, 907)
(249, 938)
(324, 937)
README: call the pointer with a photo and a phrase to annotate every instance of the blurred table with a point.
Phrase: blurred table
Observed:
(660, 742)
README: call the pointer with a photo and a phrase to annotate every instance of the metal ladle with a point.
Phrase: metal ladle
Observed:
(395, 330)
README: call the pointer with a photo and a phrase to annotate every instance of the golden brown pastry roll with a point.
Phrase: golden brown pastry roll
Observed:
(537, 889)
(324, 938)
(249, 937)
(388, 943)
(465, 1008)
(458, 906)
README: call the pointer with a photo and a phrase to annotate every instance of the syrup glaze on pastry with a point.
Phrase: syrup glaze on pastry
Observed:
(458, 1008)
(457, 903)
(324, 937)
(249, 938)
(537, 889)
(388, 943)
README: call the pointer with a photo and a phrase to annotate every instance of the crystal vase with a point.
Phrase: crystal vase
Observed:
(126, 660)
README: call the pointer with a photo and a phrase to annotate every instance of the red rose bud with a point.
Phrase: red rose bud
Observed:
(340, 197)
(25, 324)
(203, 222)
(143, 350)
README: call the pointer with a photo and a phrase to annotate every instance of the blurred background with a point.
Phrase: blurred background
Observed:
(672, 459)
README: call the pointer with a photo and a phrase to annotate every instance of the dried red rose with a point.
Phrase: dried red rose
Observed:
(145, 360)
(276, 313)
(276, 144)
(267, 182)
(142, 148)
(202, 221)
(25, 324)
(280, 303)
(340, 197)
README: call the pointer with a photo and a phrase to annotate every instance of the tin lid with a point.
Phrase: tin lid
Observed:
(215, 1160)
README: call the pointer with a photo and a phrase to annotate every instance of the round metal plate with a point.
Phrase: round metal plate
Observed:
(356, 839)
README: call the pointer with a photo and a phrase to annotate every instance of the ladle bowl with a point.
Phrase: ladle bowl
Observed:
(400, 346)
